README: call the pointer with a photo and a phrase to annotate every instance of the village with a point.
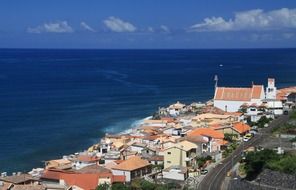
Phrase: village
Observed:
(177, 145)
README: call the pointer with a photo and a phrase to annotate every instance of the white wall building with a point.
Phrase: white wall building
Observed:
(231, 99)
(273, 105)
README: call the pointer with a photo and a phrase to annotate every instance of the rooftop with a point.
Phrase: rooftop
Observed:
(131, 164)
(238, 94)
(93, 169)
(18, 179)
(87, 158)
(241, 127)
(206, 132)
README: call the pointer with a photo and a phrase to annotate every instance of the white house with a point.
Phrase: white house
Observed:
(274, 105)
(254, 111)
(132, 168)
(179, 173)
(137, 147)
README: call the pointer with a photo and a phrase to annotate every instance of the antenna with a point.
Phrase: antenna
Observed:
(216, 81)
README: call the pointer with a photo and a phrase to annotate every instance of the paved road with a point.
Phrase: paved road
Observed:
(214, 179)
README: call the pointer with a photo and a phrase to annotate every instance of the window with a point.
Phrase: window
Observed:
(169, 152)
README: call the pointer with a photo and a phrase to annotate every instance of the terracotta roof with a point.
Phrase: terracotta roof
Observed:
(216, 126)
(233, 113)
(87, 158)
(51, 174)
(17, 179)
(118, 178)
(131, 164)
(241, 127)
(256, 91)
(93, 169)
(284, 92)
(206, 132)
(238, 94)
(84, 181)
(118, 161)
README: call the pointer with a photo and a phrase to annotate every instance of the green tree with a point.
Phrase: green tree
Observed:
(256, 161)
(120, 186)
(146, 185)
(104, 186)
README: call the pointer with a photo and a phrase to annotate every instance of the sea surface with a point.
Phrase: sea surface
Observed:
(58, 102)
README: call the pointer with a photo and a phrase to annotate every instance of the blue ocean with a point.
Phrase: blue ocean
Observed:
(58, 102)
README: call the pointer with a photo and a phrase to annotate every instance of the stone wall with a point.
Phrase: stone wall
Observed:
(269, 180)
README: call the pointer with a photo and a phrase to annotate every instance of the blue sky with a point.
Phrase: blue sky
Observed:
(147, 24)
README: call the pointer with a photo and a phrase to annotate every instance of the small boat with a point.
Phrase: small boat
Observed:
(221, 65)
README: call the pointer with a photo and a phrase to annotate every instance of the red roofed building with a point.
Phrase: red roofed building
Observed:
(84, 181)
(208, 132)
(230, 99)
(87, 178)
(132, 168)
(241, 128)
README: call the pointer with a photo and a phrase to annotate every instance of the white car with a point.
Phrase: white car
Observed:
(247, 137)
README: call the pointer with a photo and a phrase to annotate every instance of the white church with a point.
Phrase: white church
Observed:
(231, 99)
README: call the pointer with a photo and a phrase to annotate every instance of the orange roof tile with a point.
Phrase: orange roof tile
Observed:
(238, 94)
(241, 127)
(206, 132)
(51, 174)
(87, 158)
(284, 92)
(118, 161)
(118, 178)
(256, 91)
(233, 113)
(133, 163)
(84, 181)
(215, 126)
(221, 142)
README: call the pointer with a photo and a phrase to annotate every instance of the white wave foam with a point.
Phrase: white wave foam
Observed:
(125, 127)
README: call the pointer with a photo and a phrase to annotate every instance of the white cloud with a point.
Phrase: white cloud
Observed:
(165, 28)
(87, 27)
(118, 25)
(255, 19)
(54, 27)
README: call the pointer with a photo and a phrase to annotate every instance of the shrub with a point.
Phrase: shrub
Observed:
(256, 161)
(287, 164)
(104, 186)
(120, 186)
